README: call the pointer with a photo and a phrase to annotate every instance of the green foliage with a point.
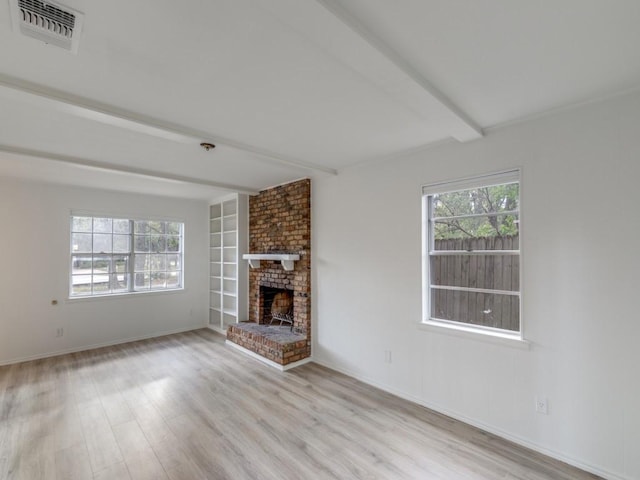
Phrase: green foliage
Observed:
(476, 213)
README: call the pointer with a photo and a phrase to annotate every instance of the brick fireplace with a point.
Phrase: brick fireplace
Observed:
(279, 222)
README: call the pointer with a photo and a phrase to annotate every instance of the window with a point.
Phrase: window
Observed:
(118, 255)
(471, 240)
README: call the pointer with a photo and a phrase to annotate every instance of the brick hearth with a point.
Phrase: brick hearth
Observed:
(276, 343)
(280, 222)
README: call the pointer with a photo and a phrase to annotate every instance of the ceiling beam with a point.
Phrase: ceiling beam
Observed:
(467, 128)
(46, 97)
(345, 38)
(104, 166)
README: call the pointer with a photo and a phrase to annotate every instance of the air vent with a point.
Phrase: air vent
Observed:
(49, 22)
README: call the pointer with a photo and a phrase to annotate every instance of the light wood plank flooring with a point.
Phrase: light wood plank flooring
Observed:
(187, 407)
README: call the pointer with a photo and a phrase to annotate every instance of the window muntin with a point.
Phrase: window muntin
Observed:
(118, 255)
(472, 253)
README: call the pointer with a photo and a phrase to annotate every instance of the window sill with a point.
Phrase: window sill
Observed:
(462, 331)
(123, 295)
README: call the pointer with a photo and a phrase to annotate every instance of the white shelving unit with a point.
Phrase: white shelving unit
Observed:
(228, 279)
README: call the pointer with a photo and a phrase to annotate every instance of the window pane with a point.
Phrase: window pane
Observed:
(477, 233)
(173, 228)
(121, 264)
(173, 244)
(81, 224)
(158, 280)
(80, 264)
(81, 284)
(157, 227)
(507, 242)
(120, 282)
(100, 283)
(102, 225)
(494, 272)
(121, 243)
(101, 265)
(173, 279)
(158, 262)
(158, 243)
(141, 226)
(173, 262)
(141, 243)
(81, 276)
(495, 199)
(81, 242)
(142, 263)
(121, 225)
(102, 243)
(142, 281)
(485, 309)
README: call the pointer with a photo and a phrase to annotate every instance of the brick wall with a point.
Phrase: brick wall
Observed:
(280, 222)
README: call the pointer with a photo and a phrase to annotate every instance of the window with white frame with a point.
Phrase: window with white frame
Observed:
(119, 255)
(471, 259)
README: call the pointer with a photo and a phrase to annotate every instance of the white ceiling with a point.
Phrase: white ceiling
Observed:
(292, 88)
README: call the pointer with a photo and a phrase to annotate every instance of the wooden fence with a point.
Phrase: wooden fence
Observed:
(493, 271)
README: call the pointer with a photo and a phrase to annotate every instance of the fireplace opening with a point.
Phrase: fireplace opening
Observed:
(277, 306)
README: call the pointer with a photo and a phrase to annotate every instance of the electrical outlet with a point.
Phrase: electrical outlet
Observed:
(59, 332)
(542, 405)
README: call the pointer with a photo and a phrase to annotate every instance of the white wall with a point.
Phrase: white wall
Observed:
(581, 296)
(35, 270)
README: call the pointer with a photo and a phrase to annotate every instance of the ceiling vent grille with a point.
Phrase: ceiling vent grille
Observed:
(47, 21)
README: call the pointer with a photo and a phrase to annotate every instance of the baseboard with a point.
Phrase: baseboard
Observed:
(482, 426)
(217, 330)
(98, 345)
(271, 363)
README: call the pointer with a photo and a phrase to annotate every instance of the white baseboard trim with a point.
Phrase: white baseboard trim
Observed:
(271, 363)
(217, 330)
(487, 428)
(98, 345)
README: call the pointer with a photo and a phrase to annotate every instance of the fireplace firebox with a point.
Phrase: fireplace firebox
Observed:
(276, 305)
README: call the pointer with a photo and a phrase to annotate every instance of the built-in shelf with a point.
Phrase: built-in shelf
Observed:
(228, 277)
(286, 259)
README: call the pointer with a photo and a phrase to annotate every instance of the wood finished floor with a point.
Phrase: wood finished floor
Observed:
(187, 407)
